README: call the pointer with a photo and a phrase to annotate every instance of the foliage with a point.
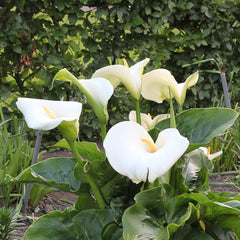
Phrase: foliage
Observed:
(194, 213)
(39, 38)
(16, 154)
(7, 223)
(230, 145)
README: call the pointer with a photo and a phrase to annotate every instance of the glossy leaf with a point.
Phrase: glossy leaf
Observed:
(92, 222)
(200, 125)
(55, 226)
(155, 216)
(53, 172)
(89, 150)
(191, 233)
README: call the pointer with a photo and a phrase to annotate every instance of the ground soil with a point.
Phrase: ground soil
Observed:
(58, 200)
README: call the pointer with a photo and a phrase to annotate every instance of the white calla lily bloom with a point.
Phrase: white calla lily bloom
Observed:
(131, 77)
(210, 156)
(131, 151)
(146, 120)
(156, 85)
(97, 90)
(47, 114)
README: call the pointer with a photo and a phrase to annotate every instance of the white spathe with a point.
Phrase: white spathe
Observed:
(146, 120)
(130, 77)
(211, 156)
(156, 85)
(130, 156)
(38, 118)
(97, 90)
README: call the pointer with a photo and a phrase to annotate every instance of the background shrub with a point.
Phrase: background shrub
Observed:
(40, 37)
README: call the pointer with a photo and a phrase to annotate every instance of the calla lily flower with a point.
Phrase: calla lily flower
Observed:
(130, 77)
(47, 114)
(146, 120)
(131, 151)
(210, 156)
(156, 85)
(97, 90)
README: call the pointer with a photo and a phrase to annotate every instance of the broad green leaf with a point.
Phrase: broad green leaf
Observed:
(85, 201)
(53, 172)
(156, 214)
(55, 226)
(112, 232)
(231, 222)
(216, 209)
(92, 222)
(224, 233)
(110, 182)
(200, 125)
(89, 150)
(101, 171)
(188, 232)
(223, 196)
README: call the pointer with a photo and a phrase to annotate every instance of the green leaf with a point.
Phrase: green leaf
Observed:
(85, 201)
(53, 172)
(89, 150)
(60, 4)
(101, 171)
(148, 10)
(156, 214)
(92, 222)
(188, 232)
(112, 232)
(54, 226)
(17, 49)
(230, 222)
(200, 125)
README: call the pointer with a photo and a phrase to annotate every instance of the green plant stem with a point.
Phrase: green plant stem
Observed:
(225, 173)
(103, 130)
(91, 181)
(75, 152)
(179, 108)
(221, 184)
(172, 116)
(138, 116)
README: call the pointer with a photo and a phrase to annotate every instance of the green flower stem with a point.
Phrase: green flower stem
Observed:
(75, 152)
(222, 184)
(91, 181)
(138, 116)
(172, 116)
(179, 108)
(96, 191)
(225, 173)
(103, 130)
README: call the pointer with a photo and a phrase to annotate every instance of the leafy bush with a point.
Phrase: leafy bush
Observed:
(39, 38)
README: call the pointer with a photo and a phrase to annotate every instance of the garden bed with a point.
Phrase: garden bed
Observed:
(58, 200)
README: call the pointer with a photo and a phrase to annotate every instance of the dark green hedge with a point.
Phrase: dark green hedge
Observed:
(40, 37)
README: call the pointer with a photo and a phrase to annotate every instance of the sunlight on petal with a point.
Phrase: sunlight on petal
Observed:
(47, 114)
(128, 76)
(131, 152)
(156, 84)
